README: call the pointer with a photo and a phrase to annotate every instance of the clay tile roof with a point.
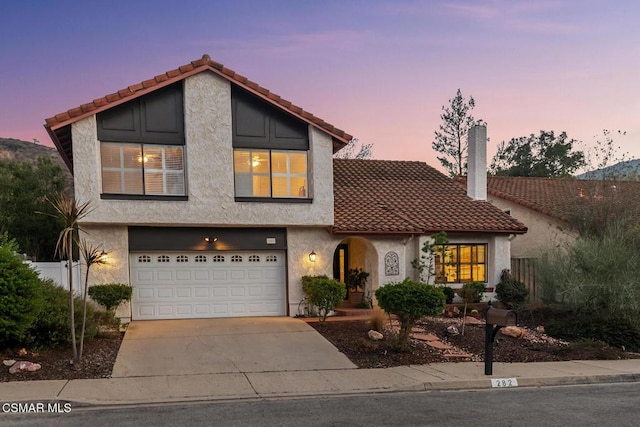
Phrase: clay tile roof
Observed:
(407, 197)
(57, 122)
(559, 198)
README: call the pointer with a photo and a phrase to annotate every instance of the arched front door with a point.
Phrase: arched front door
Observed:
(341, 264)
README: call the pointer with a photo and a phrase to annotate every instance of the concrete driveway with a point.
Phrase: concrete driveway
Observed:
(211, 346)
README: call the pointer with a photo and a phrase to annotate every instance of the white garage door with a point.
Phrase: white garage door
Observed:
(185, 285)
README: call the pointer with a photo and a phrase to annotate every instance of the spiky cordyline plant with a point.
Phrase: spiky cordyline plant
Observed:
(91, 256)
(70, 213)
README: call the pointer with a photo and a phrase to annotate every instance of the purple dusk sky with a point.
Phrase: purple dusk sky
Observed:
(380, 70)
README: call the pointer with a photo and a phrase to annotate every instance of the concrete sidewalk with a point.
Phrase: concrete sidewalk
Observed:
(251, 385)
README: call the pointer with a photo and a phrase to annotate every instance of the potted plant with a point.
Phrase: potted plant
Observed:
(355, 281)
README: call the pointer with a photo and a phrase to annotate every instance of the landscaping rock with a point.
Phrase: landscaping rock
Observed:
(24, 366)
(375, 335)
(452, 312)
(540, 329)
(513, 331)
(473, 321)
(452, 330)
(424, 337)
(8, 362)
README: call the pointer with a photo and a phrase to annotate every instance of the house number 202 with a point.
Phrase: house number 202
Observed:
(504, 382)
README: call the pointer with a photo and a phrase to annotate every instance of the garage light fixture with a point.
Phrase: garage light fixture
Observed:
(312, 256)
(210, 239)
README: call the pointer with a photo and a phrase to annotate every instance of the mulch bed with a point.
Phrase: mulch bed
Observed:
(350, 337)
(98, 358)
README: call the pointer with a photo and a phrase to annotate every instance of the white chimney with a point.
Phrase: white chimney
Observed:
(477, 163)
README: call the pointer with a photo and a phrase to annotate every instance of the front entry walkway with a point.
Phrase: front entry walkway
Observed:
(210, 346)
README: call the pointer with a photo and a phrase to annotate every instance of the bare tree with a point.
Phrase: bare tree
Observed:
(355, 150)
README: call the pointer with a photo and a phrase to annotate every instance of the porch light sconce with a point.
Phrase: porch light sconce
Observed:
(312, 256)
(210, 239)
(104, 256)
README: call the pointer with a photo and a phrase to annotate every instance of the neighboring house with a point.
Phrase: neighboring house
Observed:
(211, 194)
(549, 207)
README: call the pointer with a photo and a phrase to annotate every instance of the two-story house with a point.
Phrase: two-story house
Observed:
(214, 196)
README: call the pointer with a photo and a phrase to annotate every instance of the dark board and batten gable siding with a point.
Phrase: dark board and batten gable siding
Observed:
(256, 124)
(154, 118)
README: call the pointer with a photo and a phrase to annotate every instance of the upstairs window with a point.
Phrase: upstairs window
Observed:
(271, 173)
(142, 169)
(461, 263)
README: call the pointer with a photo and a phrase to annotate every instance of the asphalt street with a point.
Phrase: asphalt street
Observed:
(584, 405)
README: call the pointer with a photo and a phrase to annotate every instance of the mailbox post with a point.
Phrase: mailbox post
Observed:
(495, 319)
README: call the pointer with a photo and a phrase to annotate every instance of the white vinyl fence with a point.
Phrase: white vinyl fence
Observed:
(57, 271)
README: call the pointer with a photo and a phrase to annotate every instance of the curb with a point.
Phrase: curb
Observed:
(475, 384)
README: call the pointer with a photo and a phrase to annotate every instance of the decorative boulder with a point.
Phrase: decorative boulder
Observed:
(453, 330)
(9, 362)
(513, 331)
(24, 366)
(375, 335)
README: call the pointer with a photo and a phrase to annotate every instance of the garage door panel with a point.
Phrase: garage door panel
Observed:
(238, 274)
(237, 292)
(183, 275)
(201, 275)
(220, 292)
(196, 284)
(183, 292)
(164, 275)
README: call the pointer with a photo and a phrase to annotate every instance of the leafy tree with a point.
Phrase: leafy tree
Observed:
(23, 189)
(451, 140)
(20, 293)
(410, 301)
(546, 155)
(430, 249)
(355, 150)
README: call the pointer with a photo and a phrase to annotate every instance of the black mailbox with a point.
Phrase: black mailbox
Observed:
(500, 317)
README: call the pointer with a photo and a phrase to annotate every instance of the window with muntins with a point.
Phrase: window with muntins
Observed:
(142, 169)
(461, 263)
(270, 173)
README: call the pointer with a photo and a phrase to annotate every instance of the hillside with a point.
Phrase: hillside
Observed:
(25, 151)
(16, 150)
(629, 169)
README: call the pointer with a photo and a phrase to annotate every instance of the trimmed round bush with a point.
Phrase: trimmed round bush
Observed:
(324, 293)
(20, 294)
(510, 291)
(410, 301)
(449, 294)
(110, 295)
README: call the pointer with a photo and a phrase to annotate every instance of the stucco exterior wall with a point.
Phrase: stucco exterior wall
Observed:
(543, 232)
(209, 172)
(113, 239)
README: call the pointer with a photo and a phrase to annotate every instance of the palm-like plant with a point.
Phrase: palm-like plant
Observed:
(91, 256)
(70, 213)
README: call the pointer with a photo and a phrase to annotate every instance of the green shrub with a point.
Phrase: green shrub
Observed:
(410, 301)
(449, 294)
(324, 293)
(615, 331)
(20, 293)
(510, 291)
(110, 295)
(472, 292)
(595, 274)
(52, 325)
